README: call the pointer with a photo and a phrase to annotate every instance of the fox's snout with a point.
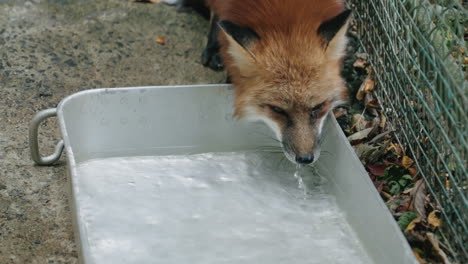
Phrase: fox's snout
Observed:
(305, 159)
(301, 140)
(297, 128)
(302, 151)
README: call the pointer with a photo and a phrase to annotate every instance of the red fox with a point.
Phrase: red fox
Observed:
(284, 60)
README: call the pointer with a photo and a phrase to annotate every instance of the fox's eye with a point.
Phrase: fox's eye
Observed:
(278, 110)
(315, 110)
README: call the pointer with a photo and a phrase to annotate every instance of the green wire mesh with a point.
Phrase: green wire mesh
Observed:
(418, 52)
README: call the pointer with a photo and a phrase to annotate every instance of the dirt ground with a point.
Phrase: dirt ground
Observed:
(50, 49)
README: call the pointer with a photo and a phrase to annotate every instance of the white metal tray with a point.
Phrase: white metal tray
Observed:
(179, 120)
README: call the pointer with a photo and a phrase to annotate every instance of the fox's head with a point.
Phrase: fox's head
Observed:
(288, 77)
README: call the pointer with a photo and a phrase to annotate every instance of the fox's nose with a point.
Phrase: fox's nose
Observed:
(305, 159)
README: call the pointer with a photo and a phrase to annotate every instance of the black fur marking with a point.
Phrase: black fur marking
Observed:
(329, 28)
(211, 56)
(244, 36)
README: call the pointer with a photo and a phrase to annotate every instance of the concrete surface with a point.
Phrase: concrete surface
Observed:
(50, 49)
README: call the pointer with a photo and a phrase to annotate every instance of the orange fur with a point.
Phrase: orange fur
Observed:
(290, 66)
(289, 53)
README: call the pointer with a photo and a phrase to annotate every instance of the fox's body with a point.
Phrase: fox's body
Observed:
(284, 60)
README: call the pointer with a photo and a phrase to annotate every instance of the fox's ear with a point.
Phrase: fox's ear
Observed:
(241, 40)
(242, 35)
(333, 33)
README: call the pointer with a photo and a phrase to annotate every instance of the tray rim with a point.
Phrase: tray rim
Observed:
(79, 228)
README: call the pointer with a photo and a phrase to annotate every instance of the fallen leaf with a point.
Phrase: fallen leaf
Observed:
(360, 94)
(379, 137)
(398, 204)
(362, 55)
(407, 162)
(405, 219)
(360, 135)
(368, 154)
(375, 125)
(366, 86)
(435, 244)
(377, 169)
(359, 123)
(397, 149)
(371, 102)
(369, 69)
(418, 257)
(412, 224)
(160, 40)
(360, 63)
(386, 195)
(383, 120)
(369, 86)
(419, 198)
(413, 172)
(433, 219)
(415, 236)
(339, 112)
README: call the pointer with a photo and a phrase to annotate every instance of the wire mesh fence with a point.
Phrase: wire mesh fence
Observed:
(418, 53)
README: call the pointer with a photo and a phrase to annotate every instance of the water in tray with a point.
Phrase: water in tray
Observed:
(211, 208)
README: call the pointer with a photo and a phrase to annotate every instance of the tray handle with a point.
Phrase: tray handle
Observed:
(34, 143)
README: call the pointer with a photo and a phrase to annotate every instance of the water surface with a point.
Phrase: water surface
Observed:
(211, 208)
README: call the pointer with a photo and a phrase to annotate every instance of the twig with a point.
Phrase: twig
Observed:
(379, 136)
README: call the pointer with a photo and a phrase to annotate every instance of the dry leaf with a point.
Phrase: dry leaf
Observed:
(397, 149)
(339, 112)
(435, 244)
(377, 169)
(433, 220)
(424, 140)
(419, 199)
(418, 257)
(160, 40)
(383, 120)
(360, 63)
(360, 135)
(413, 172)
(370, 101)
(360, 94)
(375, 124)
(367, 85)
(407, 162)
(413, 235)
(386, 195)
(368, 154)
(413, 224)
(359, 123)
(398, 204)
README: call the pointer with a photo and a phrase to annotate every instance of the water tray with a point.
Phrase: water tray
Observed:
(165, 175)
